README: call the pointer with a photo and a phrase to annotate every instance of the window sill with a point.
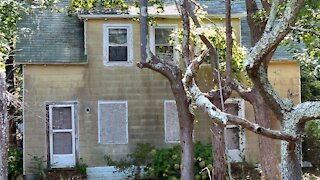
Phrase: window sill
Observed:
(113, 64)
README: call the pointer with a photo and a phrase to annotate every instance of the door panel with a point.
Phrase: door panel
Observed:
(62, 136)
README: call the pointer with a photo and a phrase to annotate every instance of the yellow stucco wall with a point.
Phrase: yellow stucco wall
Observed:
(144, 90)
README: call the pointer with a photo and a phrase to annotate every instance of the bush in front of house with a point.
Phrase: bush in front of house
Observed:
(166, 162)
(311, 144)
(14, 162)
(146, 162)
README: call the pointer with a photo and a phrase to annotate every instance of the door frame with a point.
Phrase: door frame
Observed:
(238, 155)
(51, 131)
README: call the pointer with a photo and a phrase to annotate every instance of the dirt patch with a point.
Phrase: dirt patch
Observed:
(65, 174)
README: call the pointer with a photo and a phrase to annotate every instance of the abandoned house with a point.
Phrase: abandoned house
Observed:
(84, 97)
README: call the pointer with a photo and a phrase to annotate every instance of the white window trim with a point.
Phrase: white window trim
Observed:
(242, 139)
(72, 133)
(165, 121)
(105, 49)
(99, 121)
(153, 38)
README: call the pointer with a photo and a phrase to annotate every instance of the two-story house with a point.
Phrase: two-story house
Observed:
(84, 96)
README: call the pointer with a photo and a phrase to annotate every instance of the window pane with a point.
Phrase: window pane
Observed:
(118, 53)
(61, 118)
(113, 123)
(233, 138)
(62, 143)
(165, 52)
(117, 36)
(163, 35)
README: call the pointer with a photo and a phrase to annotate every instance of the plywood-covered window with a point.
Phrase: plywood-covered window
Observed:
(113, 122)
(171, 122)
(117, 46)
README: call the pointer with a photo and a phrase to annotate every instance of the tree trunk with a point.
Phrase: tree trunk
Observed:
(291, 151)
(218, 148)
(218, 152)
(291, 160)
(269, 161)
(11, 108)
(3, 129)
(186, 129)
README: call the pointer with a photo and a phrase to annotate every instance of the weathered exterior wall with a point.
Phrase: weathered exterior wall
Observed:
(144, 90)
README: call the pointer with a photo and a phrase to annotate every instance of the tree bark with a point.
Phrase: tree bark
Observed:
(264, 116)
(186, 129)
(291, 160)
(11, 109)
(3, 129)
(218, 152)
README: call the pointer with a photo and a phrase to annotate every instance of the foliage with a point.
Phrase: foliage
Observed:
(166, 162)
(162, 163)
(308, 176)
(38, 166)
(217, 35)
(312, 143)
(104, 6)
(81, 167)
(135, 162)
(15, 162)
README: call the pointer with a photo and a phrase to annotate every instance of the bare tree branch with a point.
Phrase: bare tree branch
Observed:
(186, 32)
(275, 36)
(314, 32)
(306, 111)
(217, 115)
(229, 42)
(272, 16)
(242, 91)
(213, 52)
(265, 4)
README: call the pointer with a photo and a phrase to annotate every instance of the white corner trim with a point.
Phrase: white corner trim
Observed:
(100, 102)
(105, 50)
(23, 122)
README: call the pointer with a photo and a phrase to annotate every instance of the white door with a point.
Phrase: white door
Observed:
(235, 135)
(62, 136)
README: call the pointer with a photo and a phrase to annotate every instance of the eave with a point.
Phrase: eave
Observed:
(164, 16)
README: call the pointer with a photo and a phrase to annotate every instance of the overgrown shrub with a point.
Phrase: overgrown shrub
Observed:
(81, 167)
(14, 162)
(135, 163)
(162, 163)
(38, 166)
(311, 144)
(166, 162)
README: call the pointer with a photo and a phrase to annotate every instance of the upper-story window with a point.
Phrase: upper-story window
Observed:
(160, 41)
(117, 44)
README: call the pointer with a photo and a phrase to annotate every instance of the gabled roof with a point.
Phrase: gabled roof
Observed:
(54, 38)
(215, 8)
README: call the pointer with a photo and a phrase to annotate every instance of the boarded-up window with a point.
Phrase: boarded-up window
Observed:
(171, 121)
(113, 122)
